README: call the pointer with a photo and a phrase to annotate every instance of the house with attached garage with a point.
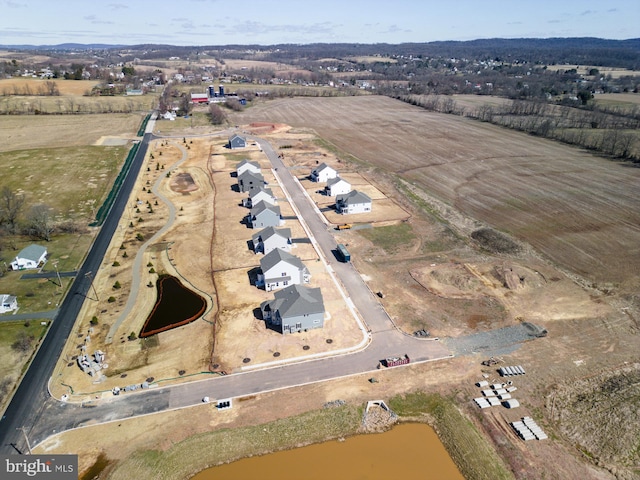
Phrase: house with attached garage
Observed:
(353, 202)
(259, 194)
(294, 309)
(337, 186)
(322, 173)
(271, 238)
(8, 303)
(236, 141)
(248, 180)
(31, 257)
(265, 215)
(247, 166)
(279, 269)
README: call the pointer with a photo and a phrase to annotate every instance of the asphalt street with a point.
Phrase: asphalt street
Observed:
(43, 416)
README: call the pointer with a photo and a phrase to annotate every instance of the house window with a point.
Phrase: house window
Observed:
(316, 321)
(298, 326)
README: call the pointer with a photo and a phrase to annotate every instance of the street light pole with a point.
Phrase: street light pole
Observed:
(88, 274)
(26, 438)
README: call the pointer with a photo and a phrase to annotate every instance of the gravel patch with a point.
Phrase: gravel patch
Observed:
(495, 342)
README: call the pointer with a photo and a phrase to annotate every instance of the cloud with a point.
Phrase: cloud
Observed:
(395, 29)
(611, 10)
(588, 12)
(117, 6)
(96, 21)
(514, 23)
(10, 4)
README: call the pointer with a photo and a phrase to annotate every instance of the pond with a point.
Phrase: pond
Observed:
(175, 306)
(408, 451)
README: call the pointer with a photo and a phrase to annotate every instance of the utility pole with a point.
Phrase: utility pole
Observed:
(58, 274)
(26, 438)
(89, 275)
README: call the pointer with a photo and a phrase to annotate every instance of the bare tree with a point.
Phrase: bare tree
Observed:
(11, 205)
(39, 222)
(218, 116)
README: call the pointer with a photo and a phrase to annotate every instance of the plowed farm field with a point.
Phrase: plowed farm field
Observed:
(579, 210)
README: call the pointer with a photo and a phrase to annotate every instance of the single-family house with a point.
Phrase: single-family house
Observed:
(248, 180)
(337, 186)
(322, 173)
(247, 166)
(33, 256)
(236, 141)
(353, 202)
(271, 238)
(8, 303)
(259, 194)
(294, 309)
(265, 215)
(280, 269)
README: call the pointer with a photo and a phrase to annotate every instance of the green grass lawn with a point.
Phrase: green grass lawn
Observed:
(389, 238)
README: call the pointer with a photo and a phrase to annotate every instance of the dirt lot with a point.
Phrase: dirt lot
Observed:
(435, 278)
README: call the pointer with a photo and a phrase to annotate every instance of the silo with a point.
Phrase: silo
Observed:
(221, 88)
(212, 91)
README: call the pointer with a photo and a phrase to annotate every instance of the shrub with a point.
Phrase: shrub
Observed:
(152, 270)
(94, 320)
(111, 299)
(115, 264)
(139, 237)
(149, 264)
(117, 285)
(132, 336)
(124, 255)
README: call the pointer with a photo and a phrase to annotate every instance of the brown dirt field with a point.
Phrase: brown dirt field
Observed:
(575, 208)
(31, 131)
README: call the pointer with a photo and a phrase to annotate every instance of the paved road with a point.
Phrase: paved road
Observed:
(45, 416)
(30, 399)
(29, 316)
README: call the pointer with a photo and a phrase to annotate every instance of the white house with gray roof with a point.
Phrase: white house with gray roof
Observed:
(280, 269)
(265, 215)
(247, 166)
(271, 238)
(294, 309)
(322, 173)
(8, 303)
(337, 186)
(259, 194)
(353, 202)
(33, 256)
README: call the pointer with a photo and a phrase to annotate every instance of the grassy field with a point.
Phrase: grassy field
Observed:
(22, 132)
(576, 208)
(72, 181)
(390, 238)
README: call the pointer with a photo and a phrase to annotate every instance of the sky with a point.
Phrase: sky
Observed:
(268, 22)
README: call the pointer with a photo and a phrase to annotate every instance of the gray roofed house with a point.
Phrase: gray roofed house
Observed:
(33, 256)
(265, 215)
(337, 186)
(8, 303)
(280, 269)
(236, 141)
(322, 173)
(271, 238)
(259, 194)
(294, 309)
(353, 202)
(248, 180)
(247, 166)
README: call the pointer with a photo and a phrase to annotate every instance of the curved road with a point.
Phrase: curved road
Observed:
(43, 416)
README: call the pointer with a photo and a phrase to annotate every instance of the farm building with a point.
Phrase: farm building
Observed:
(259, 194)
(353, 202)
(199, 98)
(294, 309)
(236, 141)
(265, 215)
(271, 238)
(247, 166)
(337, 186)
(248, 180)
(322, 173)
(280, 269)
(33, 256)
(8, 303)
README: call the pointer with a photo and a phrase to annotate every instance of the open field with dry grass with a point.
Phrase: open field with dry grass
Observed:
(23, 132)
(19, 85)
(575, 208)
(584, 70)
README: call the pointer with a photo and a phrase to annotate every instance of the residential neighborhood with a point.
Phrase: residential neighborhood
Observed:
(294, 309)
(31, 257)
(353, 202)
(272, 238)
(279, 269)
